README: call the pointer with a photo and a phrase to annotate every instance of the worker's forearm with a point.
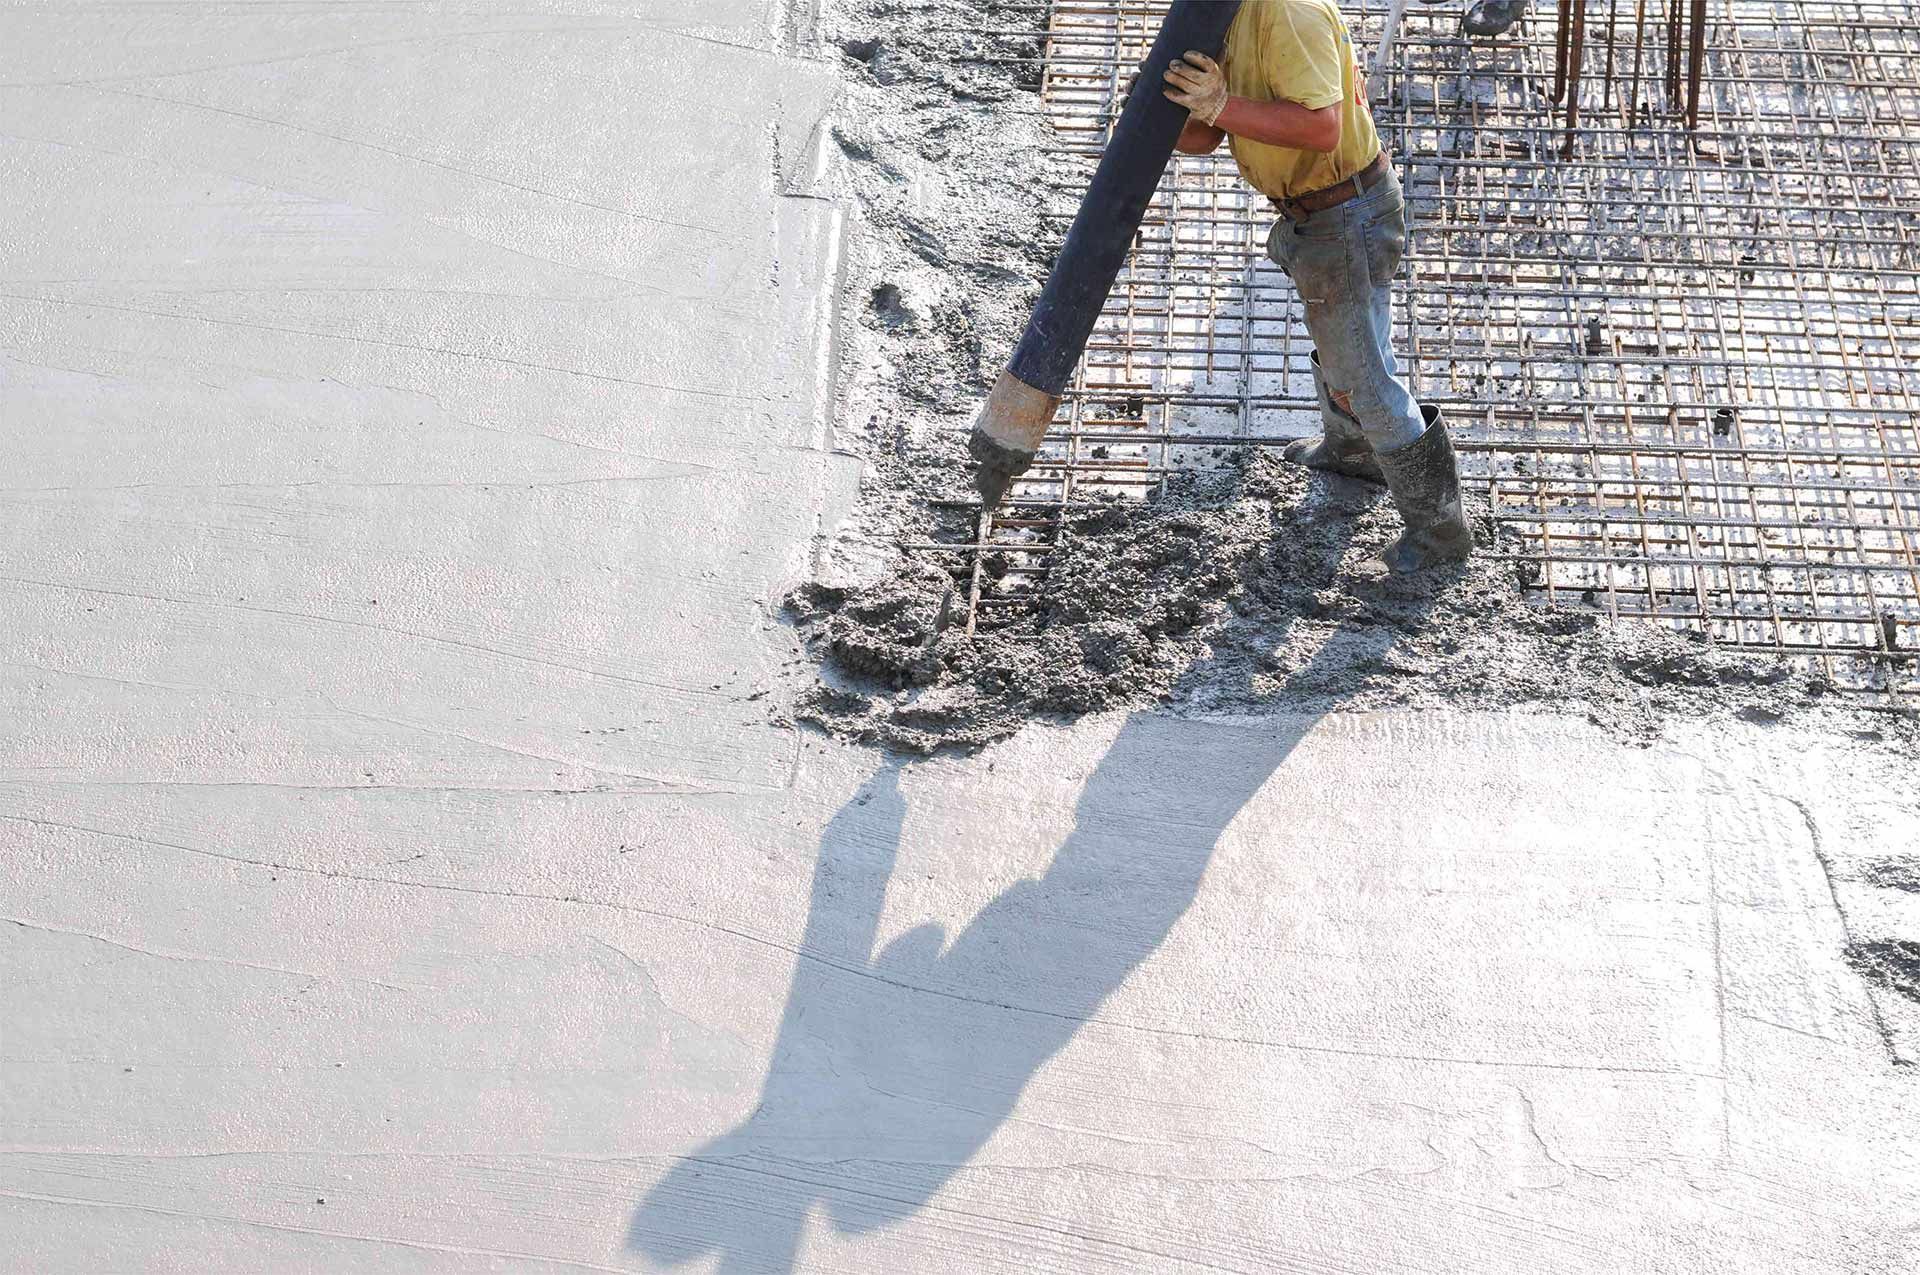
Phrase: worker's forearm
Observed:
(1199, 138)
(1286, 124)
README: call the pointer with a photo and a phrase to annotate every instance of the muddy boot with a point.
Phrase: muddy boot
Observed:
(1425, 483)
(1492, 17)
(1342, 449)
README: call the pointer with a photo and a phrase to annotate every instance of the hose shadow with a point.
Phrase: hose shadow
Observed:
(892, 1068)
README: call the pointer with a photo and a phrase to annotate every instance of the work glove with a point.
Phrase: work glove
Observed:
(1198, 84)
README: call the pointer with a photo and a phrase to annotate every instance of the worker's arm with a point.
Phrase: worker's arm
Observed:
(1200, 138)
(1196, 82)
(1282, 124)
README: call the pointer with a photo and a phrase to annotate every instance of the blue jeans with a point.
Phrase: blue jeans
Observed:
(1341, 260)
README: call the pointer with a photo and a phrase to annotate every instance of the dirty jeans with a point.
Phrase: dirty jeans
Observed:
(1341, 260)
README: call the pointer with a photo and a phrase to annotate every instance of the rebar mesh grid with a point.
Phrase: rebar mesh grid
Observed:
(1678, 361)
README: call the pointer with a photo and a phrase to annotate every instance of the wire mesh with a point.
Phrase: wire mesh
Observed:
(1678, 361)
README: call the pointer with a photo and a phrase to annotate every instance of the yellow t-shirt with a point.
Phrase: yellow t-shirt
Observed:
(1298, 51)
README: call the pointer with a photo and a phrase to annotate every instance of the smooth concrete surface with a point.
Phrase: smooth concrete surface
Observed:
(411, 414)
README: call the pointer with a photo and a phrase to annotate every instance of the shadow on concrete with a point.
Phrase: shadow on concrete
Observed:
(892, 1069)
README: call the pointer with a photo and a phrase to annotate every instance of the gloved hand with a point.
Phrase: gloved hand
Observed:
(1198, 84)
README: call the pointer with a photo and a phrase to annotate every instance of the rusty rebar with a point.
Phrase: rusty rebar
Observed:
(1639, 44)
(1738, 456)
(1673, 57)
(1696, 60)
(1560, 52)
(982, 533)
(1613, 14)
(1576, 58)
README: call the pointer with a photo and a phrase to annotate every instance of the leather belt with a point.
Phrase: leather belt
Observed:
(1300, 207)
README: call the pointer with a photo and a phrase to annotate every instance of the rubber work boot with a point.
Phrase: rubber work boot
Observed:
(1425, 483)
(1492, 17)
(1343, 449)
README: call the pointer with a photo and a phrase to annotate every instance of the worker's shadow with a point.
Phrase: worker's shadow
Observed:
(893, 1068)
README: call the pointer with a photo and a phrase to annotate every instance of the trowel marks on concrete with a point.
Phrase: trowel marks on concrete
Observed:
(1241, 589)
(1238, 590)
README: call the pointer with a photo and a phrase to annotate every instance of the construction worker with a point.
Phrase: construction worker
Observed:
(1288, 94)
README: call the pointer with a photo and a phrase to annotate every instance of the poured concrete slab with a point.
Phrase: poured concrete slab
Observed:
(411, 420)
(323, 362)
(1239, 995)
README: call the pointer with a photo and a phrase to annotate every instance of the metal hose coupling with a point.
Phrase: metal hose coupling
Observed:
(1007, 434)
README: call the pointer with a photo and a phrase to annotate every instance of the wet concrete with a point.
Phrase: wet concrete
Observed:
(1258, 586)
(1240, 586)
(409, 861)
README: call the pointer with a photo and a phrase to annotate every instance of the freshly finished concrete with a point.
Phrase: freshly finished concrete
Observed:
(412, 419)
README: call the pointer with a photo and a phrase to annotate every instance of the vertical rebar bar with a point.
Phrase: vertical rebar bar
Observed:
(1696, 60)
(1613, 13)
(1673, 57)
(1623, 470)
(1639, 44)
(1576, 53)
(1560, 51)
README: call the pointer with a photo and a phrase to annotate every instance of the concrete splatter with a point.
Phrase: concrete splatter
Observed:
(1243, 589)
